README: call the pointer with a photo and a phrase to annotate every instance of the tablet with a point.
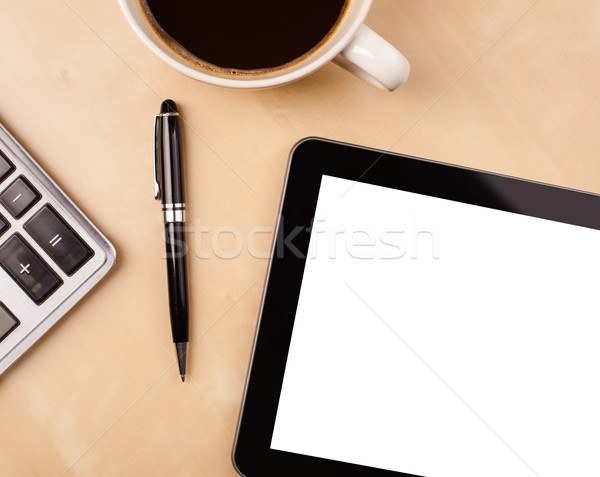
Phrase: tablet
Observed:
(424, 319)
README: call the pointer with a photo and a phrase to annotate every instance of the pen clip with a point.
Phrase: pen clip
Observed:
(157, 157)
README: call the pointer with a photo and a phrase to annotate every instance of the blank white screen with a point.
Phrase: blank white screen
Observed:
(443, 339)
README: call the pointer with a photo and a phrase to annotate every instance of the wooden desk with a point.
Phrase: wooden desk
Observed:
(510, 86)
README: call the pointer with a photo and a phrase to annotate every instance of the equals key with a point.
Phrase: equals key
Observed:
(58, 240)
(54, 240)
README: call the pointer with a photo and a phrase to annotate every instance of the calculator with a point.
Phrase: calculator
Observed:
(51, 254)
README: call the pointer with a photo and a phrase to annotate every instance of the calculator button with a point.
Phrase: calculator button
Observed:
(5, 167)
(58, 240)
(28, 269)
(19, 197)
(8, 322)
(4, 225)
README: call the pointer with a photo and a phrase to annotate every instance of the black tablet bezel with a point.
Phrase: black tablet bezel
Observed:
(310, 159)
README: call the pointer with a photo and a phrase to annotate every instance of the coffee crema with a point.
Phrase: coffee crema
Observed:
(244, 37)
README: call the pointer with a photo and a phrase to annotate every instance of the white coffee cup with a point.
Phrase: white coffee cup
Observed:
(353, 45)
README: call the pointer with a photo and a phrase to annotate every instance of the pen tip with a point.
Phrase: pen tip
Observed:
(181, 348)
(168, 106)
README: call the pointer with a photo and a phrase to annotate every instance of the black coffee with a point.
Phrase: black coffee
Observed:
(244, 36)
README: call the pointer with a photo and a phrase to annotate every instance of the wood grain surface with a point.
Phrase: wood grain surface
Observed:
(510, 86)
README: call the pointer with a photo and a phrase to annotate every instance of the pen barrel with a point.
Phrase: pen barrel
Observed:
(177, 280)
(172, 178)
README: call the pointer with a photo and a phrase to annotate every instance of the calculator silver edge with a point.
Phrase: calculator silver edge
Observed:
(66, 299)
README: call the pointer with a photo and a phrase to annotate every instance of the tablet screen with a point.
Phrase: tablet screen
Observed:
(440, 338)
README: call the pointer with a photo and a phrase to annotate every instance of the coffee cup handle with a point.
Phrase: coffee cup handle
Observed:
(374, 60)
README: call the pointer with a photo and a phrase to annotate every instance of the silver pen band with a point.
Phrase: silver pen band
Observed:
(174, 213)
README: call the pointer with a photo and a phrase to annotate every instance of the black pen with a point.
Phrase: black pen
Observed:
(168, 186)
